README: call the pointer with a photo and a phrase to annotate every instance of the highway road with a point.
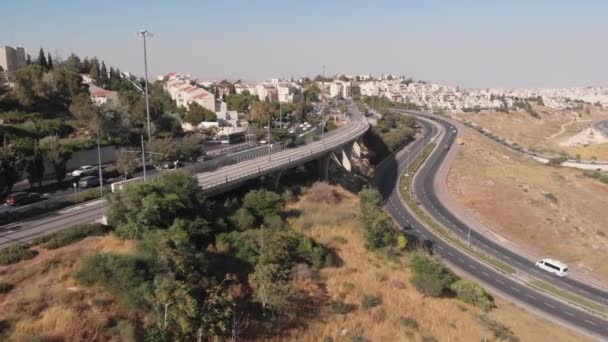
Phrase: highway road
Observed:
(425, 193)
(386, 178)
(221, 179)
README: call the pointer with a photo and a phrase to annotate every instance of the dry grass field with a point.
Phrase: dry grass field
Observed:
(403, 314)
(549, 134)
(47, 301)
(549, 211)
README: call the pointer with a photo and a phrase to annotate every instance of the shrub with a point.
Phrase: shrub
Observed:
(5, 287)
(369, 301)
(126, 276)
(429, 276)
(377, 224)
(409, 323)
(357, 338)
(73, 234)
(340, 307)
(15, 253)
(473, 294)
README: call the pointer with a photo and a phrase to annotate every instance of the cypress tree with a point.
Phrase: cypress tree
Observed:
(49, 61)
(42, 60)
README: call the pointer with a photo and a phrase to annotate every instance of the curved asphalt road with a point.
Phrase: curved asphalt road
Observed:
(425, 193)
(386, 178)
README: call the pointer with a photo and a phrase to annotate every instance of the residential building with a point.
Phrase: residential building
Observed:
(12, 59)
(100, 96)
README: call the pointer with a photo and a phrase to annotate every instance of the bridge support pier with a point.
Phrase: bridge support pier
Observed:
(323, 167)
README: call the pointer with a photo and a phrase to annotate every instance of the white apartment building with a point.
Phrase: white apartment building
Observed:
(12, 59)
(183, 93)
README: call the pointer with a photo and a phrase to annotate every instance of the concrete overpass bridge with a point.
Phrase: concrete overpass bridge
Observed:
(339, 145)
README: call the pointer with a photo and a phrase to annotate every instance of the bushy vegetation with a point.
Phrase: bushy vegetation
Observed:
(71, 235)
(379, 230)
(5, 287)
(473, 294)
(430, 276)
(369, 301)
(126, 276)
(15, 253)
(187, 257)
(600, 176)
(393, 131)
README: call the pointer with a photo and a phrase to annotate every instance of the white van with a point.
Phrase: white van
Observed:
(553, 266)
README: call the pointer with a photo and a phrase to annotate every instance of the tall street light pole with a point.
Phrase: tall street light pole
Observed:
(99, 162)
(323, 109)
(146, 34)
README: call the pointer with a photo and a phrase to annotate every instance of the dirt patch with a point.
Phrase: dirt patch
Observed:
(403, 313)
(550, 211)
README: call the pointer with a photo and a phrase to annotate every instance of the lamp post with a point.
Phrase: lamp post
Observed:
(146, 34)
(99, 162)
(323, 97)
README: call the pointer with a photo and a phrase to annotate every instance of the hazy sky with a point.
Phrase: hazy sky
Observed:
(482, 43)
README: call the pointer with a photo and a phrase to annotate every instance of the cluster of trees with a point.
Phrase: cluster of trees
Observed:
(188, 255)
(48, 113)
(378, 228)
(391, 132)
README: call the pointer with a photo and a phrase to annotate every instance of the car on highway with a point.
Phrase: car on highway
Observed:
(553, 266)
(168, 165)
(88, 182)
(85, 170)
(21, 198)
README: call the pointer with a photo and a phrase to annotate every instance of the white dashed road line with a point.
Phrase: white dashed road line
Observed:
(531, 297)
(549, 305)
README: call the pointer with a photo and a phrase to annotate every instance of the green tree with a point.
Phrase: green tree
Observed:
(175, 308)
(57, 154)
(149, 206)
(261, 205)
(42, 60)
(12, 164)
(127, 163)
(270, 290)
(240, 102)
(94, 71)
(4, 88)
(49, 61)
(104, 80)
(162, 150)
(86, 113)
(35, 168)
(197, 114)
(191, 147)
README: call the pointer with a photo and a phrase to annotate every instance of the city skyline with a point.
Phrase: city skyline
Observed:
(470, 44)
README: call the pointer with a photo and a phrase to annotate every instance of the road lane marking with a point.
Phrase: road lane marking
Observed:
(485, 274)
(588, 321)
(569, 313)
(450, 253)
(549, 305)
(460, 259)
(500, 281)
(531, 297)
(473, 267)
(515, 289)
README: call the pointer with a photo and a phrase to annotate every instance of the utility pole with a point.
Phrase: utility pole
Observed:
(99, 162)
(143, 156)
(323, 107)
(145, 34)
(268, 140)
